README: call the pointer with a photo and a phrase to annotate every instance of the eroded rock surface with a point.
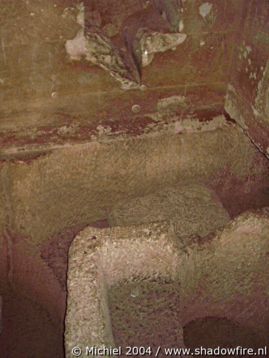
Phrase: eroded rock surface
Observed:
(227, 276)
(194, 210)
(101, 259)
(223, 276)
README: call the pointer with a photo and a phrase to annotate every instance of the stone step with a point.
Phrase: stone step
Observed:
(194, 210)
(128, 264)
(121, 276)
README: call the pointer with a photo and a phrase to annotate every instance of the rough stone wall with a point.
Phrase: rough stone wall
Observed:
(59, 169)
(71, 187)
(3, 220)
(33, 301)
(221, 276)
(194, 210)
(228, 275)
(48, 98)
(248, 90)
(78, 185)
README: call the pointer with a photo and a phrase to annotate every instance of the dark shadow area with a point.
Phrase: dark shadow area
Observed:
(28, 331)
(145, 313)
(212, 332)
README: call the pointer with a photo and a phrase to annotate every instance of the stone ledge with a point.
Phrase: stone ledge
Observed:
(77, 185)
(225, 275)
(100, 258)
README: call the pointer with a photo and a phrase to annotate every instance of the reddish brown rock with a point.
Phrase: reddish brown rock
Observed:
(248, 92)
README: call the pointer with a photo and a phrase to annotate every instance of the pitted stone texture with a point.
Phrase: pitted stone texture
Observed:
(78, 185)
(228, 275)
(100, 258)
(3, 263)
(33, 58)
(224, 276)
(4, 218)
(194, 210)
(3, 204)
(32, 21)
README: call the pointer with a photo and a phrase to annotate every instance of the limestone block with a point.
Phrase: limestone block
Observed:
(224, 277)
(126, 263)
(194, 209)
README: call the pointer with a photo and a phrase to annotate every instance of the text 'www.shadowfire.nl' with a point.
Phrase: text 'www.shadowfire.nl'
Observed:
(135, 351)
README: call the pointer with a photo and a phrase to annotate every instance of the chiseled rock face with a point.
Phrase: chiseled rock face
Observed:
(228, 275)
(3, 204)
(70, 59)
(194, 209)
(100, 259)
(80, 184)
(223, 276)
(28, 21)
